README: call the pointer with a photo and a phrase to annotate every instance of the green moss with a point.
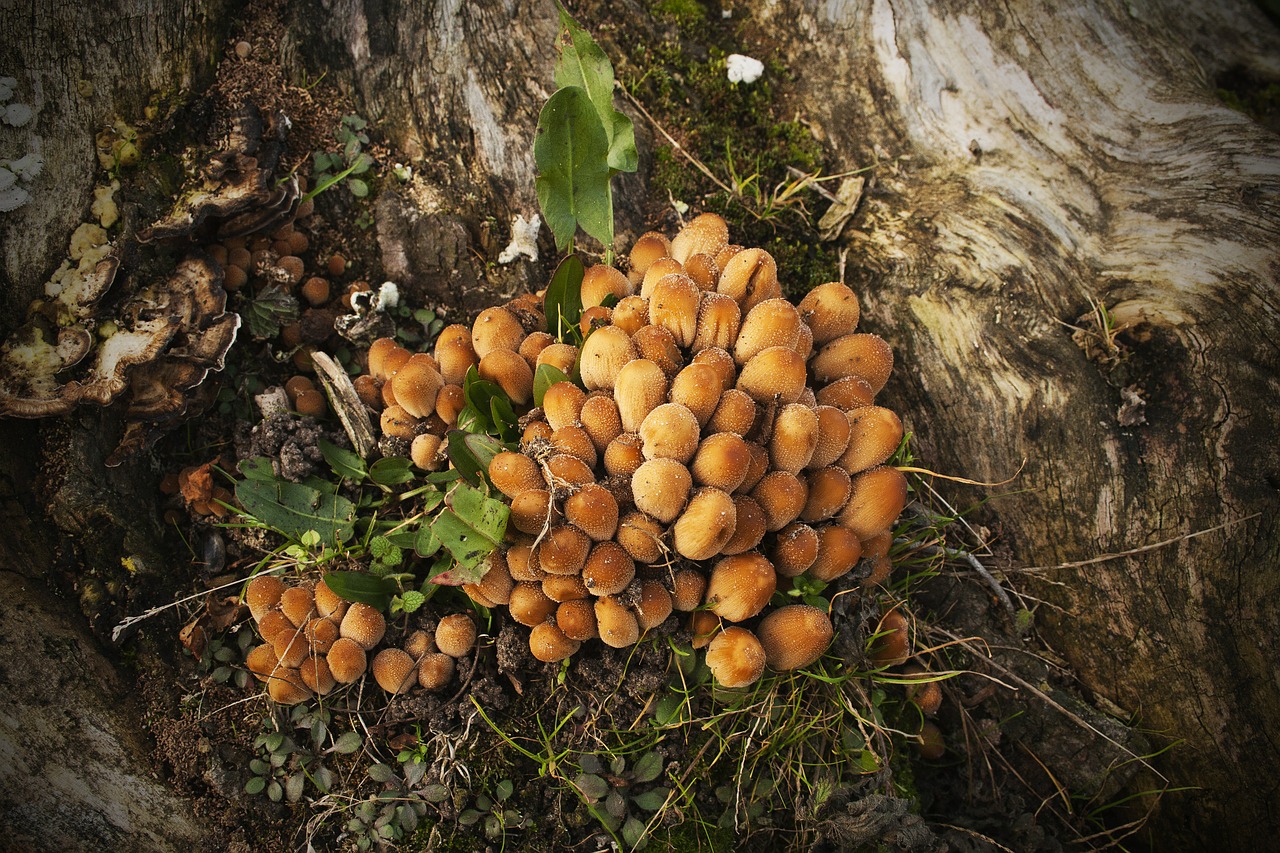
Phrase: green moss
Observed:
(740, 132)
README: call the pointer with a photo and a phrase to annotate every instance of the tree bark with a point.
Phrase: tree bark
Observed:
(1035, 161)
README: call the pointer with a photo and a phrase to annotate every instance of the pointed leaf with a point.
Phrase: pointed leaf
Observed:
(362, 587)
(648, 767)
(571, 150)
(592, 786)
(562, 304)
(633, 833)
(391, 471)
(295, 508)
(345, 463)
(582, 63)
(651, 801)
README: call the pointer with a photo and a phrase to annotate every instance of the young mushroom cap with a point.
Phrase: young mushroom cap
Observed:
(719, 320)
(774, 372)
(831, 310)
(495, 329)
(550, 644)
(749, 529)
(735, 657)
(721, 461)
(861, 354)
(513, 473)
(577, 619)
(660, 488)
(347, 660)
(298, 603)
(291, 647)
(697, 388)
(531, 509)
(795, 549)
(456, 635)
(363, 624)
(272, 623)
(315, 674)
(419, 643)
(892, 643)
(673, 305)
(416, 386)
(736, 413)
(750, 277)
(574, 441)
(609, 569)
(510, 372)
(601, 281)
(436, 670)
(876, 499)
(653, 606)
(616, 623)
(659, 345)
(454, 353)
(285, 687)
(833, 436)
(262, 594)
(838, 552)
(690, 585)
(706, 525)
(529, 605)
(706, 234)
(631, 314)
(605, 353)
(794, 636)
(261, 660)
(641, 537)
(395, 670)
(562, 404)
(828, 493)
(782, 495)
(670, 431)
(771, 323)
(641, 387)
(874, 435)
(321, 633)
(563, 551)
(740, 586)
(795, 437)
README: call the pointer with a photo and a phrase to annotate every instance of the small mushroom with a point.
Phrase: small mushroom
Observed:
(660, 487)
(609, 569)
(456, 635)
(740, 586)
(794, 636)
(735, 657)
(395, 671)
(616, 623)
(362, 624)
(436, 670)
(550, 644)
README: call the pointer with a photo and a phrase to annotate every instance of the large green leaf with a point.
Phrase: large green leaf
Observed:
(470, 529)
(583, 64)
(562, 304)
(295, 508)
(571, 150)
(362, 587)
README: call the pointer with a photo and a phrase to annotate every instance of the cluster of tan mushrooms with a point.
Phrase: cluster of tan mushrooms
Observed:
(723, 441)
(315, 640)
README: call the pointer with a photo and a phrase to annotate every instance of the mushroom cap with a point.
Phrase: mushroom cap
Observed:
(719, 320)
(795, 549)
(706, 525)
(262, 594)
(648, 247)
(529, 605)
(291, 647)
(385, 358)
(656, 272)
(624, 455)
(569, 471)
(416, 386)
(609, 569)
(735, 657)
(631, 314)
(782, 495)
(721, 461)
(395, 670)
(749, 277)
(689, 585)
(533, 345)
(261, 660)
(272, 623)
(660, 487)
(315, 674)
(419, 643)
(740, 586)
(659, 345)
(328, 602)
(456, 635)
(347, 660)
(774, 372)
(838, 552)
(616, 623)
(864, 355)
(496, 583)
(932, 744)
(604, 353)
(601, 281)
(795, 437)
(736, 413)
(750, 528)
(771, 323)
(833, 436)
(560, 356)
(847, 393)
(562, 588)
(531, 509)
(563, 551)
(703, 626)
(705, 234)
(828, 493)
(794, 636)
(496, 329)
(425, 451)
(641, 537)
(876, 498)
(594, 510)
(653, 606)
(670, 431)
(285, 687)
(673, 305)
(562, 404)
(640, 388)
(321, 633)
(510, 372)
(697, 388)
(363, 624)
(550, 644)
(574, 441)
(831, 310)
(892, 645)
(874, 435)
(577, 619)
(298, 603)
(601, 419)
(513, 473)
(454, 353)
(436, 670)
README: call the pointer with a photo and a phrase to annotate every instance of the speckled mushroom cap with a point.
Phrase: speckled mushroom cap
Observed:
(735, 657)
(794, 636)
(456, 635)
(347, 660)
(363, 624)
(395, 671)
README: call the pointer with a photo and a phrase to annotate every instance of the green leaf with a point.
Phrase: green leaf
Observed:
(633, 833)
(582, 63)
(255, 785)
(391, 471)
(648, 767)
(274, 741)
(293, 787)
(257, 468)
(295, 508)
(470, 817)
(412, 600)
(426, 542)
(571, 150)
(592, 786)
(381, 773)
(471, 454)
(347, 742)
(362, 587)
(275, 792)
(470, 530)
(274, 306)
(562, 304)
(615, 805)
(590, 763)
(345, 463)
(651, 801)
(358, 188)
(547, 375)
(435, 793)
(504, 789)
